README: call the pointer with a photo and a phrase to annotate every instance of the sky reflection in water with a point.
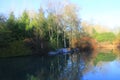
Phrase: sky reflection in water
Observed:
(83, 66)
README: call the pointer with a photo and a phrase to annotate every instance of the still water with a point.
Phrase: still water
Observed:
(94, 65)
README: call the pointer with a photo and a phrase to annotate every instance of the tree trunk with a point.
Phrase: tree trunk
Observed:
(57, 40)
(64, 40)
(41, 45)
(71, 38)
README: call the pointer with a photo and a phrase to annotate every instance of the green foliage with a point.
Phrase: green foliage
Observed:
(106, 36)
(24, 26)
(11, 21)
(31, 77)
(41, 30)
(94, 31)
(40, 25)
(118, 36)
(5, 38)
(16, 48)
(5, 33)
(2, 22)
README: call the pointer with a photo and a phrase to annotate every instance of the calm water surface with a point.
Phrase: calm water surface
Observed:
(95, 65)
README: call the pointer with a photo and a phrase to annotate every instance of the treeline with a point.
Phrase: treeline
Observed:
(39, 32)
(102, 35)
(55, 25)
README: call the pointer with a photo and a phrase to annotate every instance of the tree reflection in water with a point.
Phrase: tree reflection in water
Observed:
(64, 67)
(60, 67)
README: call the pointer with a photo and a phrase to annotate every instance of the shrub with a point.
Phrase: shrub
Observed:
(16, 48)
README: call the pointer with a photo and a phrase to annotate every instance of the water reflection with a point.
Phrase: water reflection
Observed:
(103, 71)
(92, 65)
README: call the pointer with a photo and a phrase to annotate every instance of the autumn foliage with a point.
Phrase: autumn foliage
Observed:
(85, 44)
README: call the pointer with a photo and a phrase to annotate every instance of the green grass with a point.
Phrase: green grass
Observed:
(102, 37)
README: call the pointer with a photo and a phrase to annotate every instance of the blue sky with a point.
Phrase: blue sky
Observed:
(104, 12)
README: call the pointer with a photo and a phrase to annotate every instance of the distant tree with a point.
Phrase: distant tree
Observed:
(24, 26)
(39, 29)
(106, 36)
(5, 33)
(2, 21)
(72, 20)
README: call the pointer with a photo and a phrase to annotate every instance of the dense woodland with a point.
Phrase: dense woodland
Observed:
(47, 29)
(40, 31)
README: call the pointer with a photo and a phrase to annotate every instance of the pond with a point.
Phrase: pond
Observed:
(92, 65)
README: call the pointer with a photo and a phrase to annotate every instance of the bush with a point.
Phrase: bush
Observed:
(86, 44)
(16, 48)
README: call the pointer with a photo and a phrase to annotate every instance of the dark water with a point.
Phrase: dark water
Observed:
(95, 65)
